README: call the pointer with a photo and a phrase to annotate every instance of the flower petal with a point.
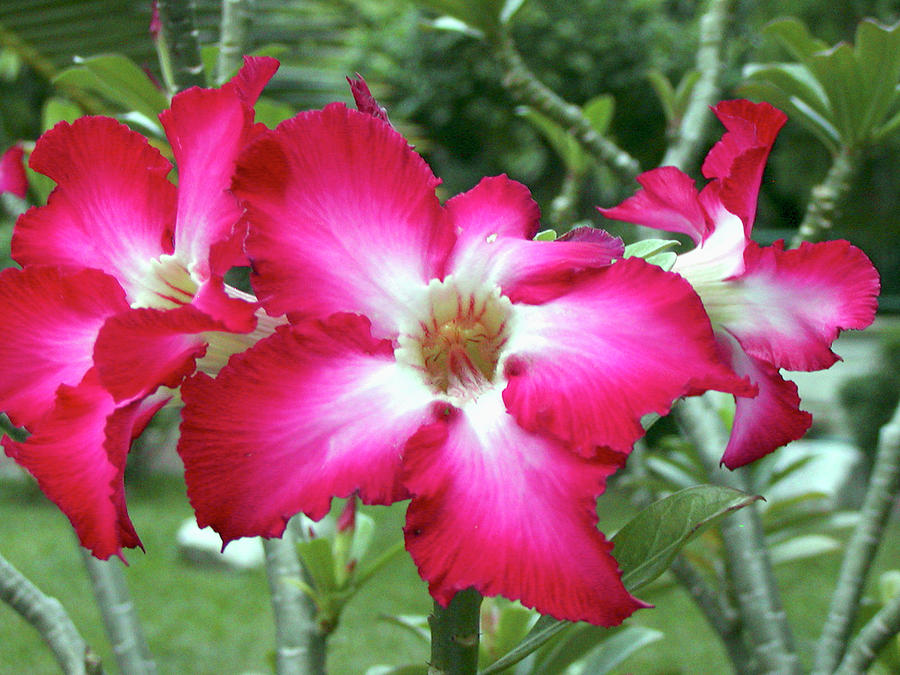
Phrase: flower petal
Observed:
(668, 201)
(12, 172)
(496, 222)
(51, 320)
(625, 342)
(112, 209)
(789, 306)
(768, 421)
(141, 349)
(207, 128)
(343, 217)
(315, 411)
(77, 454)
(511, 513)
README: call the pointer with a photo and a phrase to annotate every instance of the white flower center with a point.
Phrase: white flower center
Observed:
(166, 284)
(457, 343)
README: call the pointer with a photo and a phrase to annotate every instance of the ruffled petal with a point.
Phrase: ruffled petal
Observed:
(625, 342)
(511, 513)
(768, 421)
(343, 218)
(496, 222)
(142, 349)
(77, 454)
(51, 320)
(207, 128)
(668, 201)
(112, 209)
(12, 172)
(789, 306)
(315, 411)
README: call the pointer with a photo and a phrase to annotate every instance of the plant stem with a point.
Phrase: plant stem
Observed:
(723, 618)
(300, 645)
(180, 37)
(525, 86)
(871, 639)
(119, 616)
(825, 198)
(883, 488)
(750, 568)
(455, 634)
(686, 148)
(232, 38)
(49, 618)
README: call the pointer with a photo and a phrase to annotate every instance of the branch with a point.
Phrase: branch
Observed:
(300, 645)
(525, 86)
(181, 43)
(872, 639)
(748, 560)
(454, 635)
(883, 488)
(232, 38)
(119, 616)
(824, 199)
(49, 618)
(686, 148)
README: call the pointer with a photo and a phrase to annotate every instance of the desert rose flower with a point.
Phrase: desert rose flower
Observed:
(771, 308)
(12, 172)
(120, 292)
(438, 353)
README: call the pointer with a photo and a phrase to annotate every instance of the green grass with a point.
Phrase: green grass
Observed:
(201, 620)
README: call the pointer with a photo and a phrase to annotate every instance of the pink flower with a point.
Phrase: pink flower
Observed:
(437, 353)
(12, 172)
(121, 291)
(770, 308)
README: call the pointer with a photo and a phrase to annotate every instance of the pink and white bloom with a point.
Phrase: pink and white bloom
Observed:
(438, 353)
(121, 291)
(771, 308)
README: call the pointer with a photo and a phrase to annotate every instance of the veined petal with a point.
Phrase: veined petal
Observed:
(668, 201)
(766, 422)
(315, 411)
(141, 349)
(207, 128)
(343, 218)
(77, 454)
(511, 513)
(112, 208)
(496, 222)
(789, 306)
(51, 319)
(626, 341)
(12, 172)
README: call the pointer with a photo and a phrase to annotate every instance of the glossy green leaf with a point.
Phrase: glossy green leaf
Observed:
(545, 235)
(543, 631)
(794, 80)
(684, 90)
(617, 648)
(599, 112)
(482, 15)
(803, 547)
(414, 624)
(646, 545)
(318, 560)
(794, 36)
(665, 92)
(119, 79)
(511, 623)
(563, 143)
(57, 110)
(645, 248)
(878, 56)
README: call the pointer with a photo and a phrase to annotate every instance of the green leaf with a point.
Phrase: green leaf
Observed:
(512, 624)
(119, 79)
(318, 560)
(617, 648)
(414, 624)
(545, 235)
(545, 629)
(684, 90)
(665, 92)
(562, 142)
(57, 110)
(649, 247)
(877, 54)
(794, 79)
(646, 545)
(482, 15)
(802, 547)
(599, 112)
(794, 36)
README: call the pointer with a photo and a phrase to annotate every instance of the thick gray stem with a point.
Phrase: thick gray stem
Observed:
(872, 639)
(884, 486)
(181, 40)
(749, 566)
(300, 645)
(233, 33)
(49, 618)
(119, 616)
